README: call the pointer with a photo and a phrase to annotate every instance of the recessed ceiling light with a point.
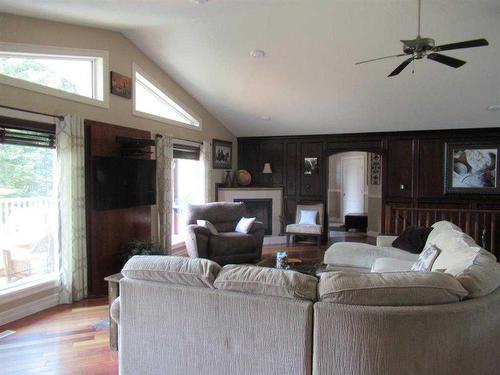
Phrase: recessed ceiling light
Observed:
(198, 1)
(257, 53)
(494, 107)
(265, 118)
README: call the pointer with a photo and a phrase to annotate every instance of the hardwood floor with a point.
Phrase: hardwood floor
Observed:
(74, 339)
(64, 340)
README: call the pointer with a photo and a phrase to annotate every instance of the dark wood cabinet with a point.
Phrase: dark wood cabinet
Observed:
(399, 168)
(430, 168)
(272, 152)
(291, 162)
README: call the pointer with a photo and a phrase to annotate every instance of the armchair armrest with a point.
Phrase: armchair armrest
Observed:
(197, 241)
(257, 231)
(385, 241)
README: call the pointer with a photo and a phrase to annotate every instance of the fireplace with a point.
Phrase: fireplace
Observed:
(261, 209)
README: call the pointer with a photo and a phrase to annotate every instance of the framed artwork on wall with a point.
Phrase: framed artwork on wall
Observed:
(374, 168)
(121, 85)
(471, 168)
(222, 154)
(311, 165)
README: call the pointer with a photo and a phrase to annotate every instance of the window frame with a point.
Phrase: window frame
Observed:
(137, 69)
(100, 71)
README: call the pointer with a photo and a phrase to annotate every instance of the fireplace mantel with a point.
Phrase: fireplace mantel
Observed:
(230, 194)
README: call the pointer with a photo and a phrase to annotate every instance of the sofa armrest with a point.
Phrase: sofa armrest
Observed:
(197, 241)
(385, 241)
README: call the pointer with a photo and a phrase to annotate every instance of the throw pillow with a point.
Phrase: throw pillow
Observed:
(207, 224)
(426, 259)
(245, 224)
(412, 239)
(308, 217)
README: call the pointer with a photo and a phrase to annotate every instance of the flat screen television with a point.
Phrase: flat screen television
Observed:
(123, 182)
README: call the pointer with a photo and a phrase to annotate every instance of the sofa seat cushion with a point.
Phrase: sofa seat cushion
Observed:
(391, 265)
(231, 243)
(172, 270)
(304, 228)
(361, 255)
(267, 281)
(390, 289)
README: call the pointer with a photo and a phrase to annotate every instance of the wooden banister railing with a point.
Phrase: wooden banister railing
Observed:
(479, 224)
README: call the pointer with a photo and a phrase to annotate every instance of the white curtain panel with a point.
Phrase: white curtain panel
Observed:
(206, 157)
(164, 158)
(70, 148)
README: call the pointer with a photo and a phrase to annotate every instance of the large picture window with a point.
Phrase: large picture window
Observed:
(152, 101)
(28, 207)
(73, 74)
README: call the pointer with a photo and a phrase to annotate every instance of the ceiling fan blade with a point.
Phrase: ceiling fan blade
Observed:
(400, 68)
(459, 45)
(446, 60)
(380, 58)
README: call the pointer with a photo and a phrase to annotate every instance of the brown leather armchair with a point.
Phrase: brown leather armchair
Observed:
(228, 246)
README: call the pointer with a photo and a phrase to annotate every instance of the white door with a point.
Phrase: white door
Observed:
(353, 184)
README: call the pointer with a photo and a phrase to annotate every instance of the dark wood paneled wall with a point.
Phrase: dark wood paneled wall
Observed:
(109, 231)
(413, 165)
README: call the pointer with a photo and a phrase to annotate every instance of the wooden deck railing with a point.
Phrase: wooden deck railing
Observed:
(8, 206)
(482, 225)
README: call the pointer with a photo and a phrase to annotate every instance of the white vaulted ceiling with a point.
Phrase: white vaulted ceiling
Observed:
(307, 83)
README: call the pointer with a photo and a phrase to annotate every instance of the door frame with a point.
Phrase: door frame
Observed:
(342, 158)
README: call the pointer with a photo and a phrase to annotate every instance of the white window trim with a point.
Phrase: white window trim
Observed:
(138, 69)
(24, 290)
(101, 80)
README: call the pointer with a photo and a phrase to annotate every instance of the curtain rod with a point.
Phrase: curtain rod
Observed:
(180, 139)
(34, 112)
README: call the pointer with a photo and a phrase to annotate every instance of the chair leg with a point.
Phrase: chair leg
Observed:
(287, 240)
(319, 241)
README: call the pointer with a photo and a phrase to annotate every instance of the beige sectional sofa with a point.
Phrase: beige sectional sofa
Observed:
(190, 316)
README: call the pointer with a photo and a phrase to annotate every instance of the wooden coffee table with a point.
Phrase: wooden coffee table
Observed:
(308, 267)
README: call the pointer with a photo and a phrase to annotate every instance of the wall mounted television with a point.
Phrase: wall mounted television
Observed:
(123, 182)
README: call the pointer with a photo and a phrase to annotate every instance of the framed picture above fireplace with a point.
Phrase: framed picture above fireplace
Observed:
(471, 168)
(222, 154)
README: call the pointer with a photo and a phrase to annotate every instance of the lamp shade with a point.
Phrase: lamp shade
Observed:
(267, 168)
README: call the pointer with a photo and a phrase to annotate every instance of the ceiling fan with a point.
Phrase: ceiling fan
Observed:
(419, 48)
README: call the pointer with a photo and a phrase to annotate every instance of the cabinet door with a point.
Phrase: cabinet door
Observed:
(430, 168)
(400, 168)
(311, 169)
(292, 170)
(272, 152)
(248, 158)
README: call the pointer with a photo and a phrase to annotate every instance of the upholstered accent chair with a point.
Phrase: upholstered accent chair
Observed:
(226, 246)
(305, 227)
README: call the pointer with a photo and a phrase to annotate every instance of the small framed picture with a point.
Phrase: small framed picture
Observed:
(471, 168)
(222, 154)
(121, 85)
(310, 165)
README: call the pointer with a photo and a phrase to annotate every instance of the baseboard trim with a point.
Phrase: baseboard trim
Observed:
(372, 233)
(30, 308)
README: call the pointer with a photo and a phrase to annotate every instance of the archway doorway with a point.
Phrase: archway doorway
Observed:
(354, 198)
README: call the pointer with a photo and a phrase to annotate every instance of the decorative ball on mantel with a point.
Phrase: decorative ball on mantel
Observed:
(243, 177)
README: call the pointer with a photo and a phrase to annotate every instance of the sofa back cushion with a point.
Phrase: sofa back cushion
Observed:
(223, 215)
(267, 281)
(474, 267)
(390, 289)
(439, 227)
(172, 270)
